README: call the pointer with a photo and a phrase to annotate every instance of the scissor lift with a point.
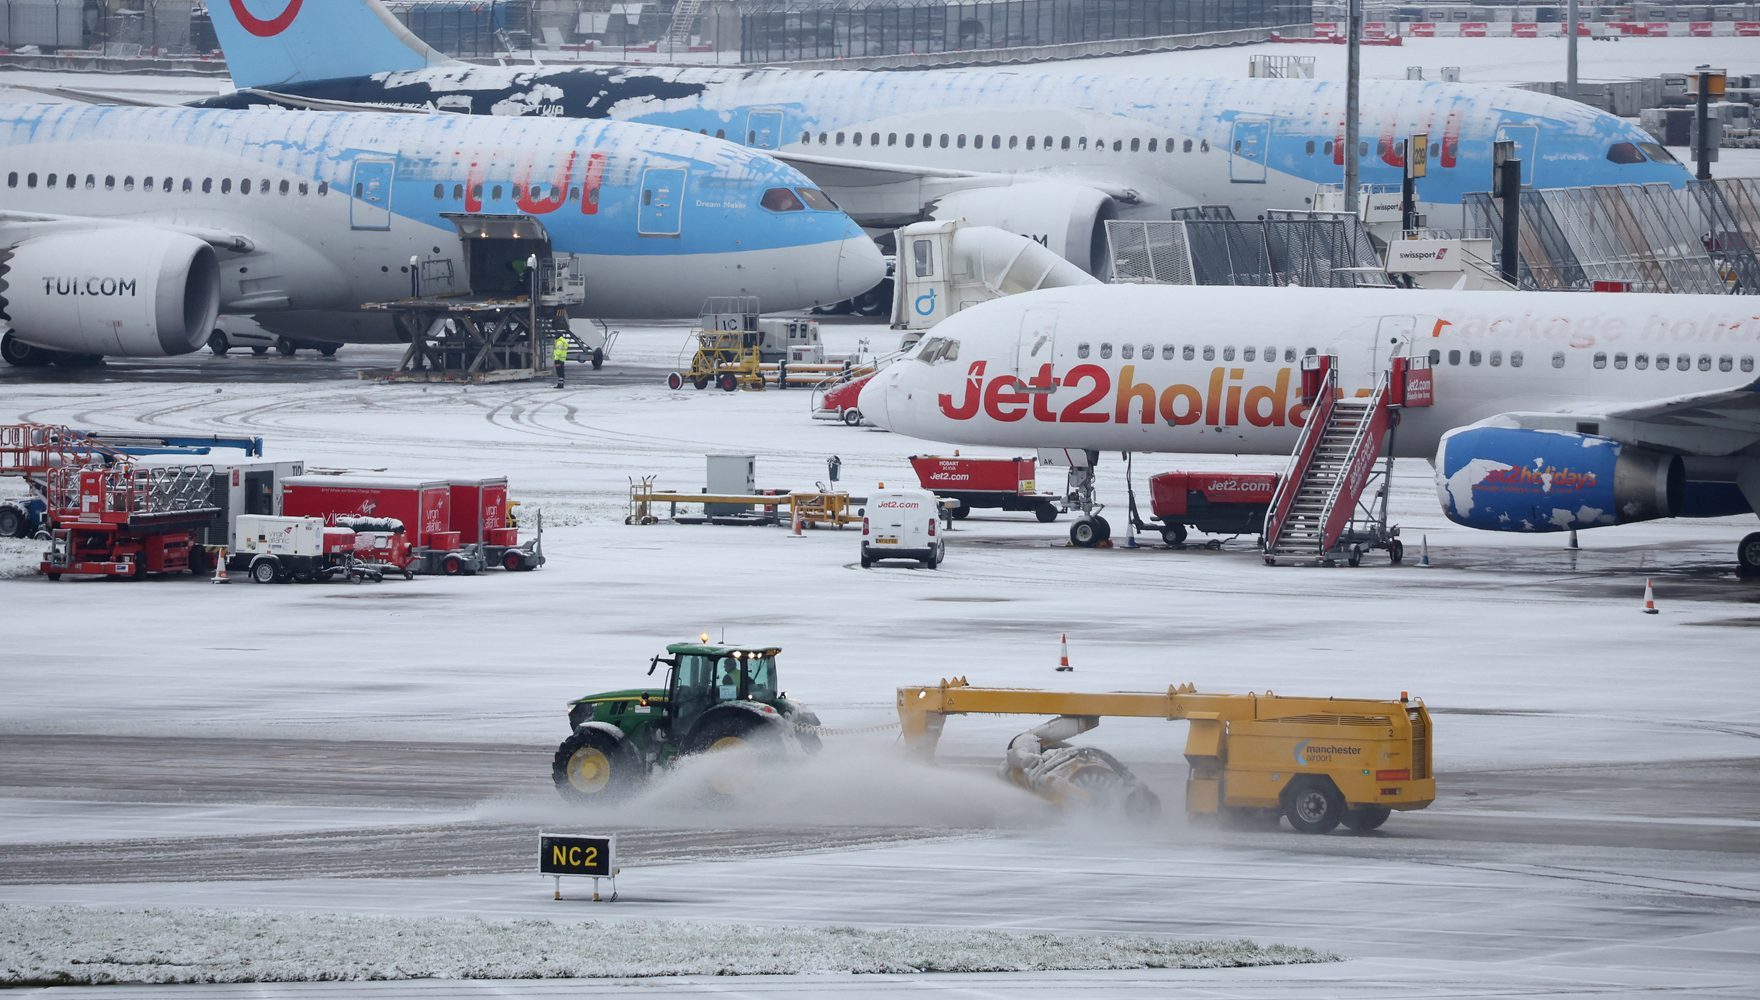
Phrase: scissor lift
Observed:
(125, 521)
(514, 305)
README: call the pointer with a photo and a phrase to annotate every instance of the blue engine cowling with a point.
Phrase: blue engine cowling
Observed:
(1514, 479)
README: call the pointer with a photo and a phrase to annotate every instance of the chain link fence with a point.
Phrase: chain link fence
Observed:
(699, 31)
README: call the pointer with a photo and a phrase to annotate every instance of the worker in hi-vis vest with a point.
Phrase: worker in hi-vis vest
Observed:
(559, 357)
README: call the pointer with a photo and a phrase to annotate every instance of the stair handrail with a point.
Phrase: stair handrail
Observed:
(853, 372)
(1289, 484)
(1360, 464)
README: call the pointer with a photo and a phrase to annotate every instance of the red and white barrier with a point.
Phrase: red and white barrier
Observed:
(1378, 30)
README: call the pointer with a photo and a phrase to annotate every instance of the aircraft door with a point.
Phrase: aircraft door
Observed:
(1393, 340)
(764, 129)
(662, 209)
(1527, 140)
(369, 208)
(1037, 346)
(1248, 150)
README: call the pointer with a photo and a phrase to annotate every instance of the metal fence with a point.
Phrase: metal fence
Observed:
(1315, 251)
(135, 28)
(1700, 239)
(784, 30)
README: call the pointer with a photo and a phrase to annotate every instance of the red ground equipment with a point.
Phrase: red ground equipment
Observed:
(125, 520)
(422, 506)
(1216, 503)
(991, 483)
(480, 516)
(839, 402)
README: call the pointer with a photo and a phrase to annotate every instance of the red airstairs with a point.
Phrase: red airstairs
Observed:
(1331, 502)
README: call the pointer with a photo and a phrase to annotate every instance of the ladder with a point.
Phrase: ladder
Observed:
(684, 18)
(1333, 460)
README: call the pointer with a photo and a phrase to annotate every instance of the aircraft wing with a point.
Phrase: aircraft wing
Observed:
(299, 103)
(892, 194)
(1718, 423)
(92, 97)
(16, 227)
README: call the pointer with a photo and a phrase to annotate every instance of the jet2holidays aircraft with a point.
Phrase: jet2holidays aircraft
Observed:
(1552, 411)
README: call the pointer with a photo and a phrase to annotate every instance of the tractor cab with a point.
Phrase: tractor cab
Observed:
(717, 697)
(699, 678)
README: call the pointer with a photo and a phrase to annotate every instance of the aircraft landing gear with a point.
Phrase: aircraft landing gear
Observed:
(1089, 531)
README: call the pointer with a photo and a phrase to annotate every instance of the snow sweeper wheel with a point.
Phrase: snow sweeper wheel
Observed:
(1313, 805)
(1365, 819)
(592, 766)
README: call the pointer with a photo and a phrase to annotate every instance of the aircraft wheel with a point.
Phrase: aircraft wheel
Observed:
(1748, 555)
(218, 343)
(1086, 532)
(1105, 527)
(22, 355)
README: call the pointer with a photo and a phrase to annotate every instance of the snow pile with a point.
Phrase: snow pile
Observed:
(68, 944)
(20, 557)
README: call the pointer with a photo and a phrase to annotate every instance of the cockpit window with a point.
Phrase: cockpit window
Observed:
(781, 200)
(1624, 152)
(1657, 152)
(938, 349)
(816, 199)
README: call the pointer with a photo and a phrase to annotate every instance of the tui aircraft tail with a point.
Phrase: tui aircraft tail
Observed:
(272, 42)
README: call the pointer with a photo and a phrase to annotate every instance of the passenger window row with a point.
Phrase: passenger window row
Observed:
(1680, 362)
(166, 185)
(944, 140)
(1493, 358)
(1191, 352)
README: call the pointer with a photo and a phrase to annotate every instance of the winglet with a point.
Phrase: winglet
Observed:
(270, 42)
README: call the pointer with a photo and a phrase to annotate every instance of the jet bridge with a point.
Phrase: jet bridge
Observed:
(515, 301)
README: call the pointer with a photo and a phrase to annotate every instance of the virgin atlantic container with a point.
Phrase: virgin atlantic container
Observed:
(423, 506)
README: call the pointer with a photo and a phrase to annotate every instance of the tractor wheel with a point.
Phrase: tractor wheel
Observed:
(1173, 534)
(1313, 805)
(674, 380)
(731, 733)
(218, 343)
(512, 562)
(11, 522)
(266, 571)
(1045, 512)
(1364, 819)
(728, 382)
(852, 417)
(591, 766)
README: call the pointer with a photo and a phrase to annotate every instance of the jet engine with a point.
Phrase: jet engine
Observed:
(1068, 218)
(134, 292)
(1518, 479)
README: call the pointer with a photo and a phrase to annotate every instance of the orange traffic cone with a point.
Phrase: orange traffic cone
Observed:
(1649, 598)
(220, 569)
(1063, 666)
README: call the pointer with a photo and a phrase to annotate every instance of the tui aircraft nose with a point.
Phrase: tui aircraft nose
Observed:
(860, 265)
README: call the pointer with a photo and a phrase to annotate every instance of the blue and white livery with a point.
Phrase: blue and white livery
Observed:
(123, 230)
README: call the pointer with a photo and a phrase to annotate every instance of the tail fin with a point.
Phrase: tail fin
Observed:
(270, 42)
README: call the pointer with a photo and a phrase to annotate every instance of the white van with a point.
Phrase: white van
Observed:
(902, 524)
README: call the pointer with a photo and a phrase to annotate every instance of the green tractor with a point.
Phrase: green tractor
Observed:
(717, 698)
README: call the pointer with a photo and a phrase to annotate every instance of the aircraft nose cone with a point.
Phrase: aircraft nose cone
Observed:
(872, 401)
(860, 266)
